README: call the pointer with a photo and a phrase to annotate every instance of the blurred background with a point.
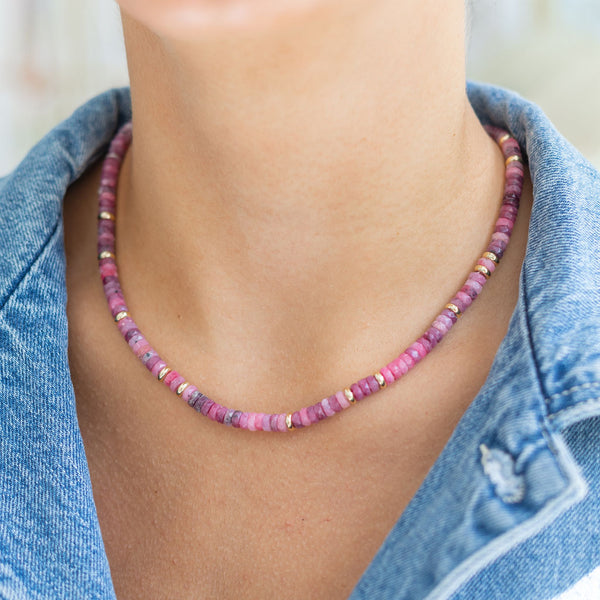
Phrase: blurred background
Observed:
(55, 54)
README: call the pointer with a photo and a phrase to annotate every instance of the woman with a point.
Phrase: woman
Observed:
(308, 184)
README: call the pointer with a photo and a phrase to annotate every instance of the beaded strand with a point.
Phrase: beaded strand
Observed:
(342, 399)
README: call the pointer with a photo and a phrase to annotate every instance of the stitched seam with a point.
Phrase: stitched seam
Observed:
(568, 409)
(23, 274)
(582, 386)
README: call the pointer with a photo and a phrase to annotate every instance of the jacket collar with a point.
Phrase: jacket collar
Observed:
(546, 375)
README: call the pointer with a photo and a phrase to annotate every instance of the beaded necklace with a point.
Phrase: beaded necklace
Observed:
(342, 399)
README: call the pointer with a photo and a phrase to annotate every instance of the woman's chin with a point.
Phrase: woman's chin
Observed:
(192, 19)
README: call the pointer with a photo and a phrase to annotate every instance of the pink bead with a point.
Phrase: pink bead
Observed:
(398, 368)
(435, 333)
(441, 326)
(342, 400)
(506, 222)
(312, 414)
(478, 277)
(364, 387)
(108, 269)
(212, 412)
(258, 421)
(421, 351)
(158, 367)
(473, 285)
(220, 413)
(465, 299)
(304, 417)
(445, 319)
(142, 349)
(372, 383)
(410, 363)
(490, 265)
(115, 301)
(169, 377)
(319, 412)
(328, 410)
(189, 390)
(244, 421)
(174, 385)
(501, 237)
(125, 325)
(426, 344)
(206, 406)
(297, 420)
(266, 424)
(281, 425)
(387, 375)
(251, 425)
(358, 393)
(334, 404)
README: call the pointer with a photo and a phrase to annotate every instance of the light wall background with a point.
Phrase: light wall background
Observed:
(55, 54)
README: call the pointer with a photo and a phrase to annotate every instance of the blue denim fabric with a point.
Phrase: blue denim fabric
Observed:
(511, 508)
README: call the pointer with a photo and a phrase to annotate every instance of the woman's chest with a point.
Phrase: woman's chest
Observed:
(189, 510)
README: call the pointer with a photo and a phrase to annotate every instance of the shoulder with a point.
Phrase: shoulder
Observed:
(31, 196)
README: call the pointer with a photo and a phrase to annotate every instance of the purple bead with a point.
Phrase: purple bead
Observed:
(357, 391)
(228, 416)
(426, 343)
(131, 333)
(372, 383)
(319, 412)
(363, 384)
(207, 405)
(273, 422)
(470, 289)
(150, 357)
(296, 420)
(434, 333)
(334, 403)
(458, 302)
(235, 418)
(220, 413)
(450, 314)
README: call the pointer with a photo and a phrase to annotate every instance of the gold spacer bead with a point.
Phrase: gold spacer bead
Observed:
(106, 215)
(483, 270)
(181, 388)
(105, 254)
(349, 395)
(380, 379)
(163, 373)
(505, 137)
(454, 309)
(491, 256)
(121, 315)
(513, 158)
(288, 421)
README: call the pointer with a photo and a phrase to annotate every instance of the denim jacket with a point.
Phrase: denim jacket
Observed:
(511, 507)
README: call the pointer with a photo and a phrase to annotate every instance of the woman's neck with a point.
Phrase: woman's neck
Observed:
(298, 188)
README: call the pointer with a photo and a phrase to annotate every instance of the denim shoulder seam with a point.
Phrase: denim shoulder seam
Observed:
(30, 264)
(576, 412)
(581, 386)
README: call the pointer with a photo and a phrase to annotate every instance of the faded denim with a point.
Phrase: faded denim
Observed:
(511, 508)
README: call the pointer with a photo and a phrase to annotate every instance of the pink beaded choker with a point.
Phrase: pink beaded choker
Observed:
(344, 398)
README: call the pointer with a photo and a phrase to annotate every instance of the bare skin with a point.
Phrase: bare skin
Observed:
(276, 242)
